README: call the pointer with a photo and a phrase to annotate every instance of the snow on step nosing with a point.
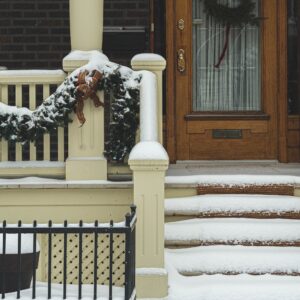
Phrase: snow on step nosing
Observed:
(235, 259)
(226, 287)
(233, 230)
(232, 180)
(232, 203)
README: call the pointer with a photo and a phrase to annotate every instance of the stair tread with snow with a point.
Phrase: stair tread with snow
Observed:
(235, 260)
(234, 205)
(258, 232)
(237, 287)
(215, 244)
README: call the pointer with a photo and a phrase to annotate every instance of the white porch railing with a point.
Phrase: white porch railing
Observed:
(23, 88)
(148, 160)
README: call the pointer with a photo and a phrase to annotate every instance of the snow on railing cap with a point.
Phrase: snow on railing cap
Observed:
(85, 55)
(149, 150)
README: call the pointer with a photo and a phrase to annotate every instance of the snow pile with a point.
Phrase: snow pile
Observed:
(12, 244)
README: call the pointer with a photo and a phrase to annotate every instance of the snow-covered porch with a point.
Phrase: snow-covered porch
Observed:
(244, 167)
(75, 186)
(70, 182)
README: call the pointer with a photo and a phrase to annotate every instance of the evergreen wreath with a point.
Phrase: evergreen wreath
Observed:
(23, 125)
(239, 16)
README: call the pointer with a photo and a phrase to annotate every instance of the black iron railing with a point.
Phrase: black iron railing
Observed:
(14, 267)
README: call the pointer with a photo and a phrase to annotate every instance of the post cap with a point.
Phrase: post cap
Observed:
(148, 61)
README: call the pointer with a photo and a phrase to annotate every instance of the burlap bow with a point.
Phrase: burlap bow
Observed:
(87, 87)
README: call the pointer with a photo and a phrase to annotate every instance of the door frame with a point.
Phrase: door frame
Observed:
(171, 84)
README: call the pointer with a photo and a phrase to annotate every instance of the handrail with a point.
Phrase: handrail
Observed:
(148, 107)
(32, 76)
(149, 147)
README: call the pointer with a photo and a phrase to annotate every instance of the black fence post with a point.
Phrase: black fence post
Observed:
(34, 262)
(19, 260)
(111, 254)
(49, 259)
(3, 259)
(80, 261)
(127, 258)
(95, 260)
(65, 260)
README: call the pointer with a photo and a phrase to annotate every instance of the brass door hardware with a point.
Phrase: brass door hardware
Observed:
(180, 24)
(181, 60)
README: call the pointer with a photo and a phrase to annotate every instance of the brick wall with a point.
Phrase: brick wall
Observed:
(126, 13)
(35, 33)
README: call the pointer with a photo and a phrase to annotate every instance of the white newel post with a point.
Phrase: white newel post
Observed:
(154, 63)
(149, 161)
(149, 197)
(86, 143)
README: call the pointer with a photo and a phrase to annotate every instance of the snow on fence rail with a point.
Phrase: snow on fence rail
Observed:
(96, 259)
(28, 88)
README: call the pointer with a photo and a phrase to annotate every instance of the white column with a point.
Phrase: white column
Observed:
(156, 64)
(86, 143)
(86, 24)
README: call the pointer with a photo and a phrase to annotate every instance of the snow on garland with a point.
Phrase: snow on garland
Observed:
(23, 125)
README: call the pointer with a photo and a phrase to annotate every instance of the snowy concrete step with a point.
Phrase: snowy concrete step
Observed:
(235, 260)
(197, 232)
(238, 287)
(238, 182)
(247, 206)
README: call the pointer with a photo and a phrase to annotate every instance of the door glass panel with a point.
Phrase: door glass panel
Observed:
(235, 85)
(293, 57)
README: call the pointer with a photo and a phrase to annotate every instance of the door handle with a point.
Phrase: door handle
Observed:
(181, 60)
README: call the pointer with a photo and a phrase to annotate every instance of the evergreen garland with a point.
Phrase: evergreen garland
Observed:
(23, 126)
(239, 15)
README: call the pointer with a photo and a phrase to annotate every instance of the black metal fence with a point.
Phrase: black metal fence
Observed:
(18, 271)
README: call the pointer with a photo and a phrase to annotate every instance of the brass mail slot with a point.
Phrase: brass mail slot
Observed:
(227, 134)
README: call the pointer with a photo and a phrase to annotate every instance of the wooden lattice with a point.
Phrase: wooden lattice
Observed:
(87, 259)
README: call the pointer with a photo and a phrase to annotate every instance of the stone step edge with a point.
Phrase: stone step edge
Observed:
(249, 215)
(196, 243)
(195, 273)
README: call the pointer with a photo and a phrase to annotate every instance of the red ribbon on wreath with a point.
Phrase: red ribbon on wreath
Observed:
(226, 45)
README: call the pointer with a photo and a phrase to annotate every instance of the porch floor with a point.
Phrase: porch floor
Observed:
(190, 168)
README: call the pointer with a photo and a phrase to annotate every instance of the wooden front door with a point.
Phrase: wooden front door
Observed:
(224, 113)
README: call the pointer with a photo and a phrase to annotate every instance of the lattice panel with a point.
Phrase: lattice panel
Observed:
(87, 259)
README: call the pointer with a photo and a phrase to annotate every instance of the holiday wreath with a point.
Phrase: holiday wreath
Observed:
(23, 125)
(239, 16)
